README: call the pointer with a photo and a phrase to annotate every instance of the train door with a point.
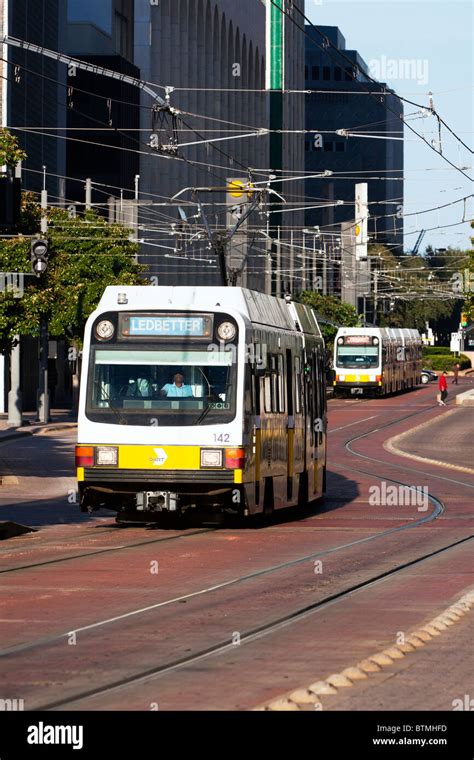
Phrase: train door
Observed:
(319, 383)
(290, 412)
(256, 380)
(309, 414)
(299, 421)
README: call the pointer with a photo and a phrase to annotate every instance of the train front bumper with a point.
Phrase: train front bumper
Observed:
(105, 473)
(358, 380)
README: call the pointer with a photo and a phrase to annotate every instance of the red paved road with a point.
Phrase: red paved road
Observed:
(54, 599)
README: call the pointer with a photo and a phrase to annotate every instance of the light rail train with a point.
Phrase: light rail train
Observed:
(202, 398)
(376, 360)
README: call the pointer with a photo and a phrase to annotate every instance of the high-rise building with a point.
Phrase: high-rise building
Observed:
(339, 100)
(101, 33)
(32, 88)
(211, 55)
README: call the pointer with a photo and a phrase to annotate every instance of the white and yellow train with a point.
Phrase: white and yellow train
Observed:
(208, 398)
(376, 360)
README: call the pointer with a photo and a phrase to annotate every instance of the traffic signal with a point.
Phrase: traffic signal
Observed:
(464, 319)
(39, 256)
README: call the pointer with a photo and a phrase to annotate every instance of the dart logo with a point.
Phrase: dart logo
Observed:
(161, 457)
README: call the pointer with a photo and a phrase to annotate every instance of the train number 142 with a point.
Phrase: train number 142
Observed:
(222, 437)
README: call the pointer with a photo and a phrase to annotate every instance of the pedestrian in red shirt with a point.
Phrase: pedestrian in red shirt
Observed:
(443, 387)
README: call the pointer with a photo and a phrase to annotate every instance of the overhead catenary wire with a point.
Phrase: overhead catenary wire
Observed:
(328, 43)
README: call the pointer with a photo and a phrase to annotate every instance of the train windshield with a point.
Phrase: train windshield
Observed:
(353, 357)
(161, 387)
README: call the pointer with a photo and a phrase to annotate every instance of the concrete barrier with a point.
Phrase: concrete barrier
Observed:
(466, 398)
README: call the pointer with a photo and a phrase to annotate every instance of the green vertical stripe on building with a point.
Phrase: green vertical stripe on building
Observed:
(276, 45)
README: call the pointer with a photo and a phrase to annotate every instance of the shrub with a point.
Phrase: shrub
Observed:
(442, 362)
(431, 350)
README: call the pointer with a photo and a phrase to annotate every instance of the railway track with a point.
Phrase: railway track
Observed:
(261, 630)
(245, 637)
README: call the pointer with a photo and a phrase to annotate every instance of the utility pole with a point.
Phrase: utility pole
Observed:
(88, 204)
(376, 293)
(218, 241)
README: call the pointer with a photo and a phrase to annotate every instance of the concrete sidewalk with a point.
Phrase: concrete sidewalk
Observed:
(445, 440)
(61, 419)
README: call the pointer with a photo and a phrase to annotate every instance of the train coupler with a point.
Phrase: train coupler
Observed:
(157, 501)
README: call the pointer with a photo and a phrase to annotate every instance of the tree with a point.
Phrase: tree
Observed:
(332, 309)
(10, 152)
(85, 255)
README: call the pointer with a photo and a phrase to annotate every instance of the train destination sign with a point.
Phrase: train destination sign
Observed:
(358, 340)
(166, 326)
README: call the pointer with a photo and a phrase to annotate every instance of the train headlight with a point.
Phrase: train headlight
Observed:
(372, 378)
(104, 330)
(375, 341)
(340, 341)
(106, 456)
(226, 331)
(341, 378)
(211, 457)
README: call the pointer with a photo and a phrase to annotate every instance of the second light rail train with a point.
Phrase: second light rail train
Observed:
(376, 361)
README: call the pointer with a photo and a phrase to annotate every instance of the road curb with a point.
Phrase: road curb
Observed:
(349, 677)
(37, 430)
(391, 446)
(7, 478)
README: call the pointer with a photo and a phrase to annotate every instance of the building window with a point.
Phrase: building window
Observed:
(337, 73)
(326, 73)
(349, 74)
(328, 146)
(121, 32)
(315, 72)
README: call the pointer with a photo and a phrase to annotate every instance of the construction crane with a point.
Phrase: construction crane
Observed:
(418, 243)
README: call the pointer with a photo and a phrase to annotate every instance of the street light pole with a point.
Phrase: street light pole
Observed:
(39, 264)
(43, 391)
(376, 292)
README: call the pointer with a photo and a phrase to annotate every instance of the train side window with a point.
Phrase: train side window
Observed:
(280, 369)
(297, 385)
(289, 381)
(274, 384)
(267, 392)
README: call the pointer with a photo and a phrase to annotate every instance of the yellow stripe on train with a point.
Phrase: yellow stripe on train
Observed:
(354, 379)
(159, 458)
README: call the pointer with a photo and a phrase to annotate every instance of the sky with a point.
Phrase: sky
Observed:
(438, 38)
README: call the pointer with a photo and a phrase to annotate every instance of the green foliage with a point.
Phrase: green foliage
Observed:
(417, 312)
(85, 255)
(445, 362)
(10, 151)
(332, 309)
(434, 350)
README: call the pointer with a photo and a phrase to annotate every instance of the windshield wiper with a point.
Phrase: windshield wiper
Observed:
(206, 410)
(118, 414)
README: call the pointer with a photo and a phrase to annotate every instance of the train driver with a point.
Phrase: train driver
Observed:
(177, 388)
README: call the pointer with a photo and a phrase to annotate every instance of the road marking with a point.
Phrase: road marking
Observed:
(353, 423)
(392, 448)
